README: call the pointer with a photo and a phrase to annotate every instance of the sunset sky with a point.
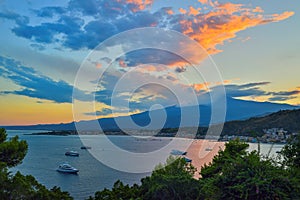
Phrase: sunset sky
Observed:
(254, 44)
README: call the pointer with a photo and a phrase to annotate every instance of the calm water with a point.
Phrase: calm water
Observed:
(45, 153)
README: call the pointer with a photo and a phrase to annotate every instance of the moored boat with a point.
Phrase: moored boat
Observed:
(66, 168)
(85, 147)
(72, 153)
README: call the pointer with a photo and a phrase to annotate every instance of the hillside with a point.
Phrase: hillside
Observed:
(287, 119)
(236, 110)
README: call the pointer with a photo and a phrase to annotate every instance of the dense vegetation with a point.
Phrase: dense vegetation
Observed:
(233, 174)
(287, 119)
(18, 186)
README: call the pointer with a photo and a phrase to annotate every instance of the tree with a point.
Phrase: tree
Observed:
(237, 174)
(234, 173)
(174, 180)
(119, 191)
(19, 186)
(291, 161)
(291, 152)
(11, 152)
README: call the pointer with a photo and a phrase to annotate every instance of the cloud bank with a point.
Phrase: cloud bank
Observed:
(35, 85)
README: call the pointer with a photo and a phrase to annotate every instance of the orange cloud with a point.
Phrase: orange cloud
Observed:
(201, 86)
(169, 11)
(183, 11)
(223, 22)
(152, 68)
(229, 8)
(224, 82)
(208, 2)
(218, 23)
(283, 16)
(258, 9)
(203, 1)
(227, 81)
(193, 11)
(122, 63)
(139, 4)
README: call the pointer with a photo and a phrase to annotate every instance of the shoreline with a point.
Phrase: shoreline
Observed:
(144, 134)
(202, 152)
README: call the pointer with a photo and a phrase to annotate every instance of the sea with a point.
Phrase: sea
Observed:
(46, 152)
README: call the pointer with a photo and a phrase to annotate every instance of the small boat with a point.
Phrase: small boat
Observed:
(66, 168)
(85, 147)
(187, 159)
(72, 153)
(178, 153)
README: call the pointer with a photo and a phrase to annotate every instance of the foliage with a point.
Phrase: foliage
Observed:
(19, 186)
(119, 191)
(174, 180)
(234, 173)
(11, 152)
(291, 152)
(291, 161)
(238, 174)
(289, 119)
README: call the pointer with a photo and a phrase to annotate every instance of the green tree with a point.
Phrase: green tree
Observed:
(19, 186)
(291, 161)
(13, 151)
(291, 152)
(174, 180)
(237, 174)
(234, 173)
(119, 191)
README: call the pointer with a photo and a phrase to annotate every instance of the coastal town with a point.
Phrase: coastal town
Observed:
(272, 135)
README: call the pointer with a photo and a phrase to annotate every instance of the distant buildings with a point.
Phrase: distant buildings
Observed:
(272, 135)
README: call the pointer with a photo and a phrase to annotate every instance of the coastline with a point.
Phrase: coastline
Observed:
(202, 152)
(148, 133)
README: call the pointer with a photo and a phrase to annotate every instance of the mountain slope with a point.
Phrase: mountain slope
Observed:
(287, 119)
(236, 110)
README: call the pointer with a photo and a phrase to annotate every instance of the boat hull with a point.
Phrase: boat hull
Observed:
(71, 154)
(85, 147)
(75, 171)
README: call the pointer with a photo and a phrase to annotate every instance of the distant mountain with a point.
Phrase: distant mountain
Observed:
(289, 120)
(236, 110)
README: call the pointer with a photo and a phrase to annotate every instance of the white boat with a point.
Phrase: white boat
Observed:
(72, 153)
(66, 168)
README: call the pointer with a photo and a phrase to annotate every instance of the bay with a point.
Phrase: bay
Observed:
(46, 152)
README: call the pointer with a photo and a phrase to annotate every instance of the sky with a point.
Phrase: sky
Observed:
(250, 48)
